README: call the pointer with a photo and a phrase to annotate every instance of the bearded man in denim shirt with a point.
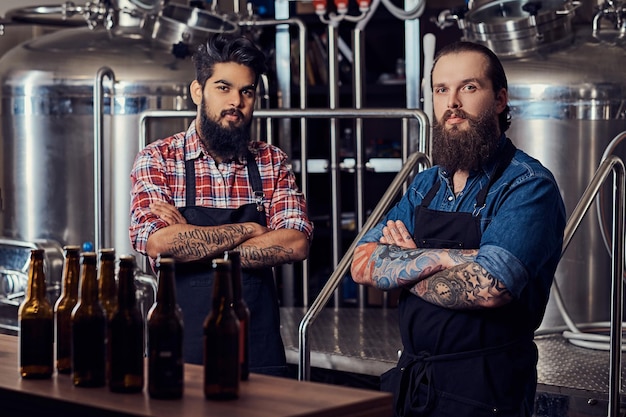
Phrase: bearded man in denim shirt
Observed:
(474, 243)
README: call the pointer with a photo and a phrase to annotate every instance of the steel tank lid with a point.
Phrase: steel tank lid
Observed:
(68, 60)
(586, 69)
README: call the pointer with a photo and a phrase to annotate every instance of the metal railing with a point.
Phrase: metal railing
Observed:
(304, 351)
(405, 115)
(611, 164)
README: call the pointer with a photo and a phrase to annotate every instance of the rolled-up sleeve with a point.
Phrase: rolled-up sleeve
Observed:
(148, 184)
(525, 236)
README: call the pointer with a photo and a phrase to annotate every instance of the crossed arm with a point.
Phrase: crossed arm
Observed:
(259, 246)
(446, 277)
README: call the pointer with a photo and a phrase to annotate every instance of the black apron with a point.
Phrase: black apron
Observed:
(194, 283)
(461, 363)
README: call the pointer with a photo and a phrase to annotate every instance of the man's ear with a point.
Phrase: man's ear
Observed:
(502, 98)
(196, 92)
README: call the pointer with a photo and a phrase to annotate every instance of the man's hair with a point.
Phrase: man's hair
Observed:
(495, 72)
(223, 48)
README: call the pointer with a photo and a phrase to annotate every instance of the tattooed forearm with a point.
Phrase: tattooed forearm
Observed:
(256, 257)
(467, 286)
(395, 267)
(199, 243)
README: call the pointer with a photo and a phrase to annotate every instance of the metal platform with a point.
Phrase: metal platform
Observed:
(572, 381)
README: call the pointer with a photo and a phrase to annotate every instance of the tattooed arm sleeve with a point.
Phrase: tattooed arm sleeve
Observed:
(190, 243)
(389, 266)
(259, 246)
(446, 277)
(463, 287)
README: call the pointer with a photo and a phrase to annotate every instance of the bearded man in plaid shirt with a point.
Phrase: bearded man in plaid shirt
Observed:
(211, 189)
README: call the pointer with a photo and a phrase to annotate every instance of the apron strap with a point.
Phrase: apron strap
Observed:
(190, 183)
(508, 154)
(255, 180)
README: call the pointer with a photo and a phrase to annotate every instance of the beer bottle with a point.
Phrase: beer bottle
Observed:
(63, 309)
(107, 287)
(125, 334)
(165, 336)
(36, 323)
(221, 338)
(107, 294)
(242, 312)
(88, 329)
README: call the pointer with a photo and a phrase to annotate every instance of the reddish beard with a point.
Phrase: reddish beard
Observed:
(465, 150)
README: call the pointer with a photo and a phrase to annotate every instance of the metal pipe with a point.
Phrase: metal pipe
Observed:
(302, 73)
(358, 68)
(335, 184)
(98, 121)
(617, 306)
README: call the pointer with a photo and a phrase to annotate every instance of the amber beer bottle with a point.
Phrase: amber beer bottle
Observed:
(36, 323)
(107, 287)
(221, 338)
(107, 294)
(125, 334)
(165, 336)
(88, 329)
(63, 309)
(242, 312)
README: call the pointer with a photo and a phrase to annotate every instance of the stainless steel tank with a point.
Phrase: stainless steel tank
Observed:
(47, 124)
(567, 93)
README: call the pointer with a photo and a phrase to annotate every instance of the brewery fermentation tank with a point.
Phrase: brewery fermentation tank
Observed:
(567, 94)
(47, 136)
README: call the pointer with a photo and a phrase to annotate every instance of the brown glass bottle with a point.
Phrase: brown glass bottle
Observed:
(125, 334)
(36, 323)
(221, 338)
(165, 336)
(107, 287)
(88, 329)
(63, 309)
(242, 312)
(107, 293)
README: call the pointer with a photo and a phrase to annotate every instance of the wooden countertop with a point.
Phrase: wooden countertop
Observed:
(260, 396)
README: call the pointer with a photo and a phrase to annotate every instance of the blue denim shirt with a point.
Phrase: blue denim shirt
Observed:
(522, 222)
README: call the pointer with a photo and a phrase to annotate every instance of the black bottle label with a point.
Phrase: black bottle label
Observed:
(36, 346)
(89, 352)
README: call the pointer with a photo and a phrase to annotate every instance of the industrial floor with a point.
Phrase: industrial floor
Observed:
(362, 344)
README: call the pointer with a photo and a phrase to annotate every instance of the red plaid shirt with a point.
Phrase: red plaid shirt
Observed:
(159, 174)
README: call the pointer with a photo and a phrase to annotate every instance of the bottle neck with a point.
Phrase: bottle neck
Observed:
(71, 275)
(222, 292)
(166, 291)
(88, 283)
(36, 276)
(126, 282)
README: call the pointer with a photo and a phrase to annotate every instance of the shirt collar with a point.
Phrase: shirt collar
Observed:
(193, 146)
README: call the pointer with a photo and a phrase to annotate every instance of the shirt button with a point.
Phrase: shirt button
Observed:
(450, 198)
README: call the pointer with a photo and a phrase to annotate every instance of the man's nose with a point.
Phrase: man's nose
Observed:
(453, 101)
(236, 99)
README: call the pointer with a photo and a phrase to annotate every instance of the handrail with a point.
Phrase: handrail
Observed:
(610, 164)
(340, 113)
(304, 365)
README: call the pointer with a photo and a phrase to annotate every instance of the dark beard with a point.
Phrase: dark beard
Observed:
(456, 150)
(227, 143)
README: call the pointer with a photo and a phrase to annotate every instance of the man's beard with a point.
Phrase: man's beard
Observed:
(227, 143)
(465, 150)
